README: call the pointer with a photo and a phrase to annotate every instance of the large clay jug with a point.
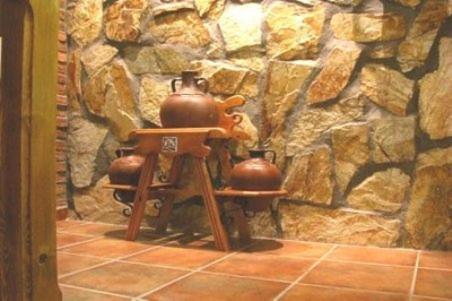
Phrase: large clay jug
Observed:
(189, 106)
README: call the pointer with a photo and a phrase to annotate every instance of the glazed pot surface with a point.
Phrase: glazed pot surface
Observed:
(256, 174)
(189, 106)
(126, 170)
(188, 111)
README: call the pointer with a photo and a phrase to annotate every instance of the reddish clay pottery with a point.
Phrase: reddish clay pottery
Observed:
(126, 169)
(189, 106)
(257, 173)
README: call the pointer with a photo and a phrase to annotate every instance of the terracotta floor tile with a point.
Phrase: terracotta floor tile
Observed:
(436, 259)
(64, 239)
(108, 248)
(64, 225)
(96, 229)
(422, 298)
(73, 294)
(434, 283)
(361, 276)
(201, 286)
(374, 255)
(263, 266)
(146, 236)
(178, 257)
(193, 241)
(289, 248)
(203, 241)
(123, 278)
(68, 263)
(321, 293)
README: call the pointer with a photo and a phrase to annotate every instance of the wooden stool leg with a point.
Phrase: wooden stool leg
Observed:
(225, 162)
(162, 220)
(141, 196)
(176, 169)
(241, 222)
(218, 230)
(161, 223)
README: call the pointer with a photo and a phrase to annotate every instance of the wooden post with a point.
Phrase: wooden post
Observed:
(239, 219)
(161, 224)
(219, 232)
(141, 196)
(28, 126)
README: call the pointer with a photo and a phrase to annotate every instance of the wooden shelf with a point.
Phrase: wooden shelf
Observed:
(210, 132)
(155, 186)
(228, 192)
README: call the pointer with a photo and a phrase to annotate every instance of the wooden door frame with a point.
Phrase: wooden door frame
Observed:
(27, 158)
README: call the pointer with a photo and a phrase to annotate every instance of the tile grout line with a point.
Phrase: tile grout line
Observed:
(338, 244)
(413, 281)
(354, 289)
(64, 248)
(349, 261)
(297, 281)
(76, 234)
(183, 276)
(109, 261)
(78, 243)
(247, 277)
(60, 277)
(370, 263)
(191, 273)
(156, 265)
(94, 291)
(436, 269)
(85, 255)
(433, 298)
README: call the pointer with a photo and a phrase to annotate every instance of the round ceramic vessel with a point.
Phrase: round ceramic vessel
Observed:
(189, 106)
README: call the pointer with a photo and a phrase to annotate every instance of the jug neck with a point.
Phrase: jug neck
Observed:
(257, 153)
(189, 79)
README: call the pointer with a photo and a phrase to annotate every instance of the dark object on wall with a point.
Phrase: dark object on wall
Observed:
(127, 168)
(189, 106)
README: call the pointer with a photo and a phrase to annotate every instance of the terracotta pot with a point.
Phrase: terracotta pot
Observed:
(126, 169)
(256, 174)
(189, 106)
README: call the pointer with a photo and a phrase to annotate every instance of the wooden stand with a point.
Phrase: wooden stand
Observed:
(179, 144)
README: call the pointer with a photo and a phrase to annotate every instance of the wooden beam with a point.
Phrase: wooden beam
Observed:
(28, 125)
(42, 149)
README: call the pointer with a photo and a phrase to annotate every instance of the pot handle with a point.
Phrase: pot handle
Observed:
(202, 82)
(173, 83)
(273, 160)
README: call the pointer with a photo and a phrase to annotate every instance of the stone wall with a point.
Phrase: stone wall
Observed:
(353, 95)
